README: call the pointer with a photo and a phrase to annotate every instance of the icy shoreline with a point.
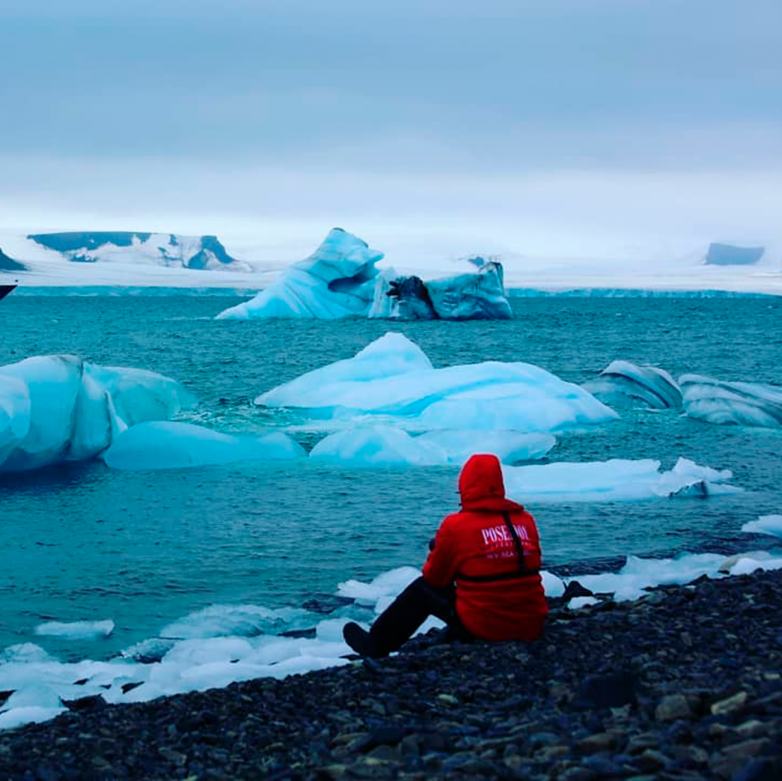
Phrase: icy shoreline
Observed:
(684, 683)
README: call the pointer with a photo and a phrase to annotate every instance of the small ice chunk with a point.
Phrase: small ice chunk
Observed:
(75, 630)
(766, 524)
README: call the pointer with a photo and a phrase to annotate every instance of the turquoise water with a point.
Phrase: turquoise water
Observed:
(143, 549)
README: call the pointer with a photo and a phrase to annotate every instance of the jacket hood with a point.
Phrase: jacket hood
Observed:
(481, 485)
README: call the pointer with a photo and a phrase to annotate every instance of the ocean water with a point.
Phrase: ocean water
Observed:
(143, 549)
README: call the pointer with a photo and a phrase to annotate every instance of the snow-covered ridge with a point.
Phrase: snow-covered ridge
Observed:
(167, 249)
(639, 271)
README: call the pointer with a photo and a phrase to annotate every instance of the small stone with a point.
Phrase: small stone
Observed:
(334, 771)
(600, 741)
(174, 757)
(448, 699)
(673, 707)
(730, 704)
(650, 761)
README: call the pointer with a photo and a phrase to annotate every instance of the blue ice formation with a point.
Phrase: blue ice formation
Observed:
(337, 280)
(476, 296)
(60, 408)
(171, 445)
(730, 255)
(613, 481)
(623, 384)
(341, 279)
(166, 249)
(388, 446)
(392, 381)
(9, 264)
(737, 403)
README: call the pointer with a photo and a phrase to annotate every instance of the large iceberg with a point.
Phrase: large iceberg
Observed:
(337, 280)
(340, 279)
(171, 445)
(60, 408)
(476, 296)
(623, 384)
(737, 403)
(393, 381)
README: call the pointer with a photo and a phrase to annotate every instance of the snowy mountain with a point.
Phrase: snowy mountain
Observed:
(166, 249)
(117, 261)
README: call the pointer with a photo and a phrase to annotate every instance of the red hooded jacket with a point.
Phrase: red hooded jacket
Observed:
(474, 548)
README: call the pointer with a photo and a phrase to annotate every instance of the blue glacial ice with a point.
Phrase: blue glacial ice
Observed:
(60, 408)
(341, 279)
(172, 445)
(766, 524)
(392, 382)
(622, 384)
(737, 403)
(387, 446)
(616, 480)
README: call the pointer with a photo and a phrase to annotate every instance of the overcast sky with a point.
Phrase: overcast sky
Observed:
(592, 126)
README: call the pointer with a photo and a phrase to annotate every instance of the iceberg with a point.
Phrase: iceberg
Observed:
(172, 445)
(476, 296)
(623, 384)
(730, 255)
(60, 408)
(737, 403)
(393, 381)
(337, 280)
(386, 446)
(341, 279)
(616, 480)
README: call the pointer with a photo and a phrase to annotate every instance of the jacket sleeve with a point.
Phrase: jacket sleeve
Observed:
(441, 563)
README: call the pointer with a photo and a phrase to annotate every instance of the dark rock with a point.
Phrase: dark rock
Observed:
(607, 691)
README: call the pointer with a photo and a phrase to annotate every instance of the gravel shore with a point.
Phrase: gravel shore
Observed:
(684, 684)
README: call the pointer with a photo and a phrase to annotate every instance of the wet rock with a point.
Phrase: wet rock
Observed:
(673, 707)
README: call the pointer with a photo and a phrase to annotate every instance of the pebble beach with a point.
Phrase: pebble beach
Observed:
(683, 684)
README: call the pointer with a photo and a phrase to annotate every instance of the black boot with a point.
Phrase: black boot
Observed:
(360, 640)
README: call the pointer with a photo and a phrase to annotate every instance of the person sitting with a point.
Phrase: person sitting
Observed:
(481, 576)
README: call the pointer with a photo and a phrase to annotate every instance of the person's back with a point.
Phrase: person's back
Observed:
(481, 576)
(497, 597)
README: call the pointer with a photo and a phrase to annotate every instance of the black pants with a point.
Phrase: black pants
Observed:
(410, 609)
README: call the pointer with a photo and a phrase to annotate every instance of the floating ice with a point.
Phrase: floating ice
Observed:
(387, 584)
(386, 446)
(623, 384)
(340, 279)
(59, 408)
(613, 481)
(337, 280)
(220, 645)
(171, 445)
(394, 379)
(738, 403)
(766, 524)
(474, 296)
(75, 630)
